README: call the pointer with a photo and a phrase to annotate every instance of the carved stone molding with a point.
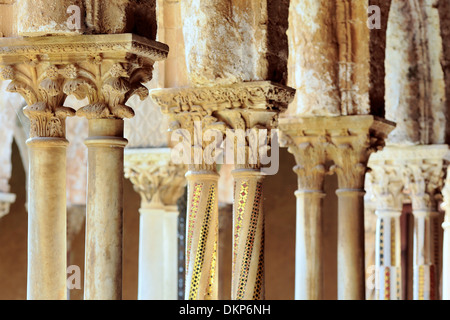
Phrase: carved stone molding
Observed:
(6, 199)
(42, 88)
(386, 185)
(106, 69)
(154, 176)
(348, 141)
(248, 105)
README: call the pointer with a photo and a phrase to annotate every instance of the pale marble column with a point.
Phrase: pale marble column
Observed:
(46, 276)
(109, 70)
(424, 173)
(104, 216)
(160, 184)
(310, 156)
(348, 141)
(350, 151)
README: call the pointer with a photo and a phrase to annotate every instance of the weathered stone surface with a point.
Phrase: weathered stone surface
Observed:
(415, 87)
(37, 18)
(329, 57)
(229, 41)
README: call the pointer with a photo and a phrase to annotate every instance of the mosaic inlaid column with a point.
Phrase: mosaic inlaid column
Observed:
(248, 236)
(160, 184)
(386, 182)
(40, 80)
(309, 152)
(350, 149)
(247, 280)
(107, 70)
(204, 113)
(424, 173)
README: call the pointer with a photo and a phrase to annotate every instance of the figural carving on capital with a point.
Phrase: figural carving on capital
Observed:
(423, 183)
(386, 185)
(42, 89)
(155, 177)
(243, 106)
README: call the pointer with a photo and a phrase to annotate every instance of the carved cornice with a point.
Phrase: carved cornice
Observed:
(262, 95)
(348, 141)
(106, 69)
(154, 176)
(70, 49)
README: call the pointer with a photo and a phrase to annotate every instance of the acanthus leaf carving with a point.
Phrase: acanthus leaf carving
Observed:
(42, 89)
(155, 177)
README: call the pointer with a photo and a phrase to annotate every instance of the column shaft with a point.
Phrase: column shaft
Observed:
(248, 236)
(47, 219)
(424, 278)
(202, 236)
(308, 252)
(388, 256)
(151, 253)
(351, 275)
(170, 254)
(104, 218)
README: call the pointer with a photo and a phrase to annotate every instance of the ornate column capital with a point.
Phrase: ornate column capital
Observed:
(422, 172)
(385, 182)
(348, 141)
(159, 182)
(6, 199)
(106, 69)
(41, 85)
(244, 106)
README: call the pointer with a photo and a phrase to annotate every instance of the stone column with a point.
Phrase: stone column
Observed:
(387, 186)
(348, 141)
(41, 84)
(160, 184)
(309, 152)
(107, 70)
(211, 110)
(424, 175)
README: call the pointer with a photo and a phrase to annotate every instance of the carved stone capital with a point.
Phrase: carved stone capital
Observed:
(310, 156)
(348, 141)
(106, 69)
(6, 199)
(242, 106)
(420, 169)
(158, 181)
(385, 182)
(42, 88)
